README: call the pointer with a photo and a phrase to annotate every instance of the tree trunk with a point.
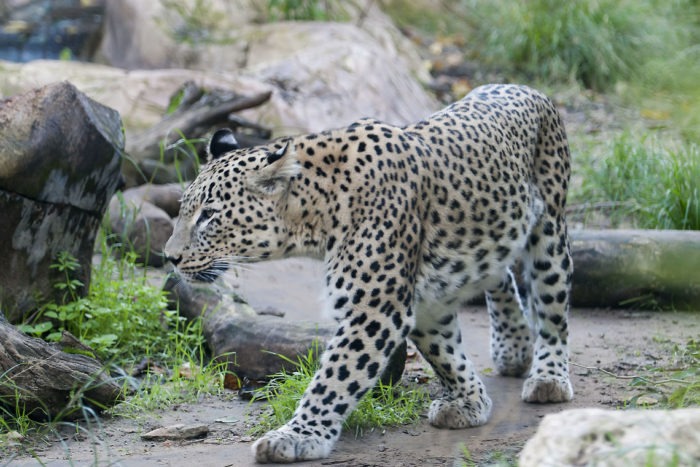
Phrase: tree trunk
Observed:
(48, 382)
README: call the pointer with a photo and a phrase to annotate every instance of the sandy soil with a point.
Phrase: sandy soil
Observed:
(619, 342)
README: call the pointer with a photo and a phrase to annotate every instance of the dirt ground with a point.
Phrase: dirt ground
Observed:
(621, 342)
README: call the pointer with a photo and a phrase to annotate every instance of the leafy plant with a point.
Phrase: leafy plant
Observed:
(387, 405)
(122, 316)
(123, 319)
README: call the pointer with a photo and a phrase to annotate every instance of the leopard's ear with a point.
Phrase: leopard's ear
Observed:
(282, 166)
(222, 142)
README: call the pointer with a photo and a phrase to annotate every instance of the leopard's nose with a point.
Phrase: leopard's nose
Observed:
(174, 260)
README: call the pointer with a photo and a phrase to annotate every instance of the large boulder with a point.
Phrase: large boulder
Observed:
(60, 154)
(196, 35)
(615, 438)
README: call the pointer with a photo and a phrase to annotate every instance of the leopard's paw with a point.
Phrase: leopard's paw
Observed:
(547, 388)
(458, 413)
(286, 445)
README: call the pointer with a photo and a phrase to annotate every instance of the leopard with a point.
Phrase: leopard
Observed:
(410, 223)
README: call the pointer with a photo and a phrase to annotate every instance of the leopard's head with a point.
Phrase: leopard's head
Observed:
(231, 213)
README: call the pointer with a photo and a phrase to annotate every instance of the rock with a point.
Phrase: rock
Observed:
(611, 438)
(59, 166)
(328, 74)
(166, 196)
(322, 74)
(140, 96)
(256, 346)
(153, 35)
(177, 432)
(144, 227)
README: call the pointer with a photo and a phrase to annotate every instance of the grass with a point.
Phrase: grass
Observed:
(668, 94)
(386, 406)
(303, 10)
(495, 458)
(680, 386)
(192, 22)
(652, 185)
(596, 43)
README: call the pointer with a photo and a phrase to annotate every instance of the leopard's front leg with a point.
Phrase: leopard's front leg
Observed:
(350, 366)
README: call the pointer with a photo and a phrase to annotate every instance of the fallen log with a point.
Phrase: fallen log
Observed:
(636, 268)
(256, 346)
(47, 382)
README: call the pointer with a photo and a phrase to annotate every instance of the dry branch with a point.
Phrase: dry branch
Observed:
(197, 113)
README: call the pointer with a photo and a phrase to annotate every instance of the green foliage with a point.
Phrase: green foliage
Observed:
(386, 405)
(596, 42)
(184, 154)
(656, 187)
(188, 378)
(13, 415)
(495, 458)
(122, 317)
(65, 55)
(302, 10)
(433, 20)
(196, 22)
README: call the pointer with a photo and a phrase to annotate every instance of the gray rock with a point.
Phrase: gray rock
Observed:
(166, 196)
(323, 74)
(59, 166)
(177, 432)
(611, 438)
(254, 345)
(136, 221)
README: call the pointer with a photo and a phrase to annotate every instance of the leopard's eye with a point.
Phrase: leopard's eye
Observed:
(205, 215)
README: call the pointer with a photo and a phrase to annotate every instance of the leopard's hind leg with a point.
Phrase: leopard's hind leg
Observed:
(511, 336)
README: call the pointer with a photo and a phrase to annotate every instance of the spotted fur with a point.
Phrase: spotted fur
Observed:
(410, 222)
